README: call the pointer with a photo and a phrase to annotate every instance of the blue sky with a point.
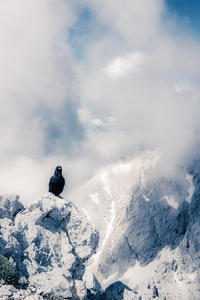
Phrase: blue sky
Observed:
(82, 33)
(187, 9)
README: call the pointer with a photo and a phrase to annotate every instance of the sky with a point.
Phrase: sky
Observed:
(84, 84)
(186, 11)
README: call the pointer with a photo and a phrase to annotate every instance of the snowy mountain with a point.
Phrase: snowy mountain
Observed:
(129, 234)
(143, 222)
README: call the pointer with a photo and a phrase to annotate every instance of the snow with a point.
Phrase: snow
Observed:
(94, 197)
(145, 198)
(142, 177)
(192, 276)
(171, 201)
(109, 229)
(104, 180)
(122, 196)
(177, 280)
(190, 189)
(122, 168)
(109, 280)
(137, 274)
(86, 213)
(112, 210)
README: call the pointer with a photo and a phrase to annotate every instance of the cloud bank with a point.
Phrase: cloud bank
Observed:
(88, 83)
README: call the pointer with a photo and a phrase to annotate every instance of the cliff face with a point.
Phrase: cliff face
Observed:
(149, 227)
(176, 271)
(136, 213)
(50, 241)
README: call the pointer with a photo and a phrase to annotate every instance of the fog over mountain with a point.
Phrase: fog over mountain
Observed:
(89, 83)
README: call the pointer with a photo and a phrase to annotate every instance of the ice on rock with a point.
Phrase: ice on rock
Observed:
(146, 198)
(94, 197)
(191, 188)
(171, 201)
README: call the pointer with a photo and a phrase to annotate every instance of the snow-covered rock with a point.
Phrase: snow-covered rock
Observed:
(132, 215)
(8, 292)
(55, 242)
(9, 245)
(10, 206)
(94, 289)
(119, 291)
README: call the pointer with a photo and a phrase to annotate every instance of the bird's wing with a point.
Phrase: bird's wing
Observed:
(53, 180)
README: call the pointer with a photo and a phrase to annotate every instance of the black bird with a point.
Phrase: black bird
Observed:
(57, 182)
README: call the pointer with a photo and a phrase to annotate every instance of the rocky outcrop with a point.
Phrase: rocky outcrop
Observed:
(119, 291)
(10, 206)
(8, 292)
(50, 241)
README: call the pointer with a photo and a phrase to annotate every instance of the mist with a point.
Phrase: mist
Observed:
(90, 83)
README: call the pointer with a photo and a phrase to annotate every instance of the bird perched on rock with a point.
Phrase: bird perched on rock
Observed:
(57, 182)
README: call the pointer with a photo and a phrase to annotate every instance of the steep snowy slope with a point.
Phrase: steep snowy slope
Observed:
(139, 216)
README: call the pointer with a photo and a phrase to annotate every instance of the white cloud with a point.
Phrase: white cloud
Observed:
(129, 63)
(136, 22)
(51, 100)
(37, 74)
(86, 117)
(97, 122)
(147, 110)
(184, 89)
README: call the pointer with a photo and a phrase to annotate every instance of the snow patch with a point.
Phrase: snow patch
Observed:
(112, 210)
(110, 279)
(192, 276)
(109, 229)
(138, 274)
(142, 177)
(145, 198)
(123, 168)
(122, 196)
(171, 201)
(104, 180)
(177, 280)
(190, 189)
(86, 213)
(94, 197)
